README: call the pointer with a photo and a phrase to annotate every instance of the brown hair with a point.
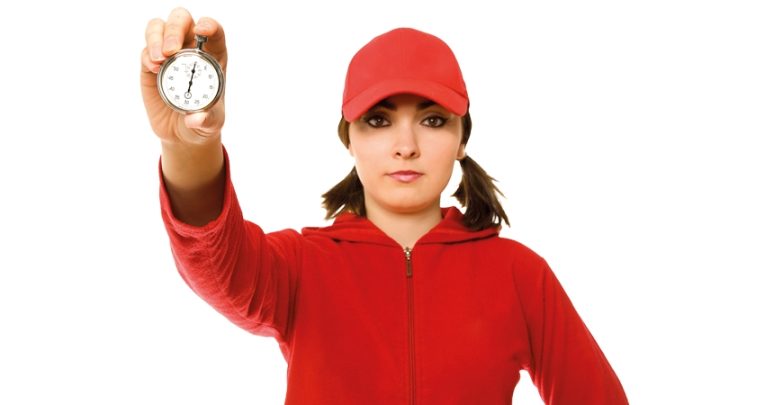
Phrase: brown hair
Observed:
(477, 191)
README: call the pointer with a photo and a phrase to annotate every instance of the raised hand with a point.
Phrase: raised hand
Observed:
(163, 39)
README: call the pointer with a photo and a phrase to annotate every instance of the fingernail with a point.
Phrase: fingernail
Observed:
(155, 69)
(171, 44)
(156, 52)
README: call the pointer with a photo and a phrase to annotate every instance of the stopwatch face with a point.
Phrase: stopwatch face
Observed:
(190, 81)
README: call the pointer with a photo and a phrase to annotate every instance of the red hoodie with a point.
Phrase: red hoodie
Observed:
(361, 320)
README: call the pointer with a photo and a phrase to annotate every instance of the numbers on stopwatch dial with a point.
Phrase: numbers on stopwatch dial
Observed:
(190, 83)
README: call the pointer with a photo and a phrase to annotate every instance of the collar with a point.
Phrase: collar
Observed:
(354, 228)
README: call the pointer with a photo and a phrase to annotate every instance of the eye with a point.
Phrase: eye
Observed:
(375, 121)
(435, 121)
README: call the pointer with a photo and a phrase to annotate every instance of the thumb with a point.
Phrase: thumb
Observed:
(206, 122)
(196, 120)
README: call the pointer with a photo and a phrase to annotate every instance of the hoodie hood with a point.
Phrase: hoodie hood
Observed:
(354, 228)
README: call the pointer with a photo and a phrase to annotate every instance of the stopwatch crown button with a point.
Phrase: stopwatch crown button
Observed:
(201, 39)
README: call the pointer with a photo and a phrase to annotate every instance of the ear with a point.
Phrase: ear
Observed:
(350, 149)
(461, 152)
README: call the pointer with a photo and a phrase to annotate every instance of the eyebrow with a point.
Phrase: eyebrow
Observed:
(387, 104)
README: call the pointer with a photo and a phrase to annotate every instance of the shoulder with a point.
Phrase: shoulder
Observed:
(512, 251)
(525, 265)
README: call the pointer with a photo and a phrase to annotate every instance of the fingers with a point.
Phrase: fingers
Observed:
(147, 64)
(154, 36)
(216, 39)
(163, 39)
(176, 31)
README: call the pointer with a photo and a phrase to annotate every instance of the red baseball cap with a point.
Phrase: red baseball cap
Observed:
(403, 60)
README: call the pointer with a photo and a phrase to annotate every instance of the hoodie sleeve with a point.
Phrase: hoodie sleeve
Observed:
(247, 275)
(567, 366)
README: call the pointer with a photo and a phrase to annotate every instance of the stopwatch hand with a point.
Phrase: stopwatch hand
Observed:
(191, 80)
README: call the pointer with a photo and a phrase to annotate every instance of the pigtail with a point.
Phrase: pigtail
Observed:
(347, 195)
(478, 193)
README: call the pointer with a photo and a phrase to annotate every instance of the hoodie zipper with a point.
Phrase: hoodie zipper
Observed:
(410, 307)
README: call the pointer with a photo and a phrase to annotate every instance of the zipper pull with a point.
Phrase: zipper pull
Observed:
(408, 253)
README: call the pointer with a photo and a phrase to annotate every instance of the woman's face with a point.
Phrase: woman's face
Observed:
(404, 133)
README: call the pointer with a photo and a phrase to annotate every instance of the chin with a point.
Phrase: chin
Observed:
(407, 205)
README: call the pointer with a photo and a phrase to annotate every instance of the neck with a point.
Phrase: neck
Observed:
(404, 227)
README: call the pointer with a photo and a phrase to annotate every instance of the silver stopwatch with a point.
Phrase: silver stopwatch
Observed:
(191, 80)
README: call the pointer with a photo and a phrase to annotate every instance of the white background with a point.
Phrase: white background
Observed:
(627, 137)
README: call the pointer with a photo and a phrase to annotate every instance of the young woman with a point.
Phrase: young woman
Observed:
(399, 301)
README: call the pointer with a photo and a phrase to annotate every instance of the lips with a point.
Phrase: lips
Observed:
(406, 176)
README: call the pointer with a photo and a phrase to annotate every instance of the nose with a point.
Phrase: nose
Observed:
(406, 143)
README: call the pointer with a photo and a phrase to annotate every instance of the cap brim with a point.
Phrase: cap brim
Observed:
(445, 96)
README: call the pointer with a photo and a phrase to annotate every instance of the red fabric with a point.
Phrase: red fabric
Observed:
(403, 60)
(354, 329)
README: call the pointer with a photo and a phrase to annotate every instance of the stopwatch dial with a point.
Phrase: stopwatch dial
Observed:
(190, 82)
